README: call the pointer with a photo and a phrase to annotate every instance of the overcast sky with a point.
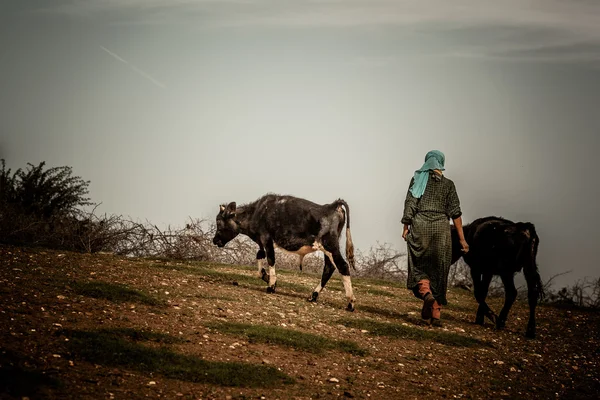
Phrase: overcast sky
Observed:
(171, 107)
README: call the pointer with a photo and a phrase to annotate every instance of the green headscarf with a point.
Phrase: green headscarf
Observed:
(433, 160)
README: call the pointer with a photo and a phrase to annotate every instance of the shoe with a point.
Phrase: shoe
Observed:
(436, 322)
(428, 301)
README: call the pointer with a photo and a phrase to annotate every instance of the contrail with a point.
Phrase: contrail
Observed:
(136, 69)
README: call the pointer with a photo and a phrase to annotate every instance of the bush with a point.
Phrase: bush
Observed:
(41, 206)
(42, 194)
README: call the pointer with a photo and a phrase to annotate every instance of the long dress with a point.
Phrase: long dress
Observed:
(429, 239)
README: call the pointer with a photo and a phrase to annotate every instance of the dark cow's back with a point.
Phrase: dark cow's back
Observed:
(502, 245)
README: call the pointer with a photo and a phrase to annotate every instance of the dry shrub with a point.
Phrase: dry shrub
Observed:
(382, 262)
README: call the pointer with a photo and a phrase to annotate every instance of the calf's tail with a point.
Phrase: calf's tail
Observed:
(349, 244)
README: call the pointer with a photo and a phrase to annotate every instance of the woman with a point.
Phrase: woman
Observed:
(430, 202)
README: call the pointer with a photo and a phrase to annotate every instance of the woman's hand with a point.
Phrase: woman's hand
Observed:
(465, 246)
(405, 231)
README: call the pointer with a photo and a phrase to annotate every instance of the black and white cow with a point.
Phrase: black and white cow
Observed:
(295, 225)
(501, 247)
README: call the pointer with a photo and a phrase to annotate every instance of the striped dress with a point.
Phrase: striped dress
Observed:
(429, 241)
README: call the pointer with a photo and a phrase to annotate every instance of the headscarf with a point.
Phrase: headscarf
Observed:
(433, 160)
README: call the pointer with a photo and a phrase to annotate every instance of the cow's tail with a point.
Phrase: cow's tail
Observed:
(349, 244)
(530, 269)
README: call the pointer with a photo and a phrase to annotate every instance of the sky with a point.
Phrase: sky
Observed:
(172, 107)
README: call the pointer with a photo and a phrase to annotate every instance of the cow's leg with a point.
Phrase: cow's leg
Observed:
(510, 295)
(260, 261)
(476, 277)
(328, 270)
(317, 245)
(485, 287)
(345, 271)
(532, 297)
(271, 261)
(331, 244)
(481, 284)
(300, 259)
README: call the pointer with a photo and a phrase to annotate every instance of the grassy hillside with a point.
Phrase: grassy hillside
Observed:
(97, 326)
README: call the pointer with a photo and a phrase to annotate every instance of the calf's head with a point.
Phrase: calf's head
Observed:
(227, 227)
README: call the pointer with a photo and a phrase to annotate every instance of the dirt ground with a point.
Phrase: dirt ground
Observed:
(78, 326)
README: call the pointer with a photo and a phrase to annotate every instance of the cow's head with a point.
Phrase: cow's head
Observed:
(227, 227)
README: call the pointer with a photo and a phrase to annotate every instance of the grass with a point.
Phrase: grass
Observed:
(113, 348)
(374, 291)
(379, 282)
(463, 307)
(220, 276)
(114, 292)
(141, 335)
(296, 287)
(211, 270)
(206, 296)
(382, 311)
(399, 331)
(252, 280)
(288, 337)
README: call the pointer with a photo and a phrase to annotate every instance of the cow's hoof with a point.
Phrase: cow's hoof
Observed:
(350, 307)
(479, 320)
(314, 297)
(500, 324)
(264, 276)
(492, 317)
(271, 289)
(530, 334)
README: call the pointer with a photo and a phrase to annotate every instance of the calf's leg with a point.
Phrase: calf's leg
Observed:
(532, 297)
(510, 295)
(481, 286)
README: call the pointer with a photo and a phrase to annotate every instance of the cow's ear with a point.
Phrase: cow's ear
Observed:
(231, 207)
(221, 207)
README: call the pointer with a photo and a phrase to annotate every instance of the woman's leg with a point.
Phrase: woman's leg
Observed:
(428, 300)
(436, 311)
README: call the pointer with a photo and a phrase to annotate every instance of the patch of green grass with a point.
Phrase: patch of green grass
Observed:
(113, 292)
(288, 337)
(407, 332)
(296, 287)
(138, 335)
(189, 269)
(253, 280)
(206, 296)
(112, 348)
(462, 307)
(381, 311)
(375, 292)
(210, 273)
(379, 282)
(207, 270)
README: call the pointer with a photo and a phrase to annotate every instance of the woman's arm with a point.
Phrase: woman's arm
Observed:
(410, 209)
(454, 212)
(461, 234)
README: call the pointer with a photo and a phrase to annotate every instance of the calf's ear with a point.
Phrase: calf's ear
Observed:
(221, 208)
(230, 210)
